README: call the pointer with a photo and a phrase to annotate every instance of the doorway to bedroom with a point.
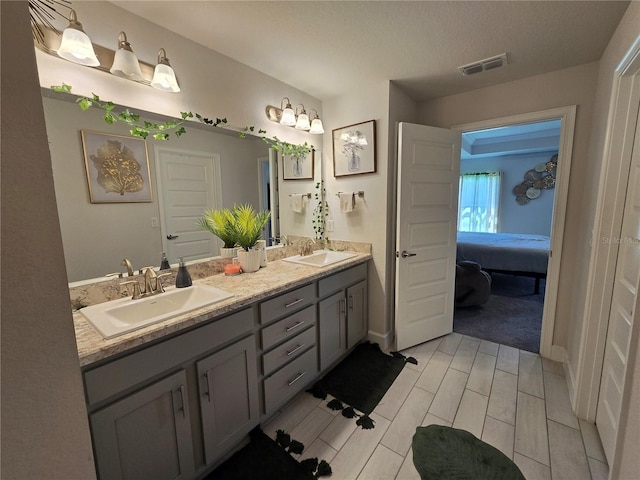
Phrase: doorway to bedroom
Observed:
(506, 211)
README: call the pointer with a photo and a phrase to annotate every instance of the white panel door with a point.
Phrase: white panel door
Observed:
(621, 315)
(428, 178)
(189, 184)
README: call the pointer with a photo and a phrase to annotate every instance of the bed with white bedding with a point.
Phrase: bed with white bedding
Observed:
(513, 253)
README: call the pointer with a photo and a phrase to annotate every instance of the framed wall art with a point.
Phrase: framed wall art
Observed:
(298, 168)
(354, 149)
(117, 168)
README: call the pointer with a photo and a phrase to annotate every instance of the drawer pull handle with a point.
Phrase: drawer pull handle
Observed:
(293, 327)
(350, 302)
(182, 405)
(291, 352)
(208, 380)
(295, 302)
(300, 375)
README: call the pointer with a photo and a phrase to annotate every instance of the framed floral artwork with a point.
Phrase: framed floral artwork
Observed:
(354, 149)
(117, 168)
(298, 168)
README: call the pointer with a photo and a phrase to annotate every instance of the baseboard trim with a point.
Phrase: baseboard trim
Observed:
(384, 340)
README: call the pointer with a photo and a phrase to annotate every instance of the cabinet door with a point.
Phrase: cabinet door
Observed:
(333, 329)
(146, 435)
(228, 396)
(356, 313)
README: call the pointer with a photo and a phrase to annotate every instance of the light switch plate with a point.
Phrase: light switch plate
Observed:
(329, 225)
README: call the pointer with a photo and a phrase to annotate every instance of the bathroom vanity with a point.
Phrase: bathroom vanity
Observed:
(172, 400)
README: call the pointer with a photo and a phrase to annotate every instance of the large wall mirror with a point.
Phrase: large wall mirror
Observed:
(208, 163)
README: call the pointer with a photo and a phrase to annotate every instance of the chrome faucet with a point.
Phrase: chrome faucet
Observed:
(126, 263)
(306, 248)
(152, 284)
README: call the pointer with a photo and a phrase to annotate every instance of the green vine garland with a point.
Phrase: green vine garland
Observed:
(321, 212)
(161, 131)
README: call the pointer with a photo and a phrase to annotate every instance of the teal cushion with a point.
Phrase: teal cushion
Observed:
(443, 453)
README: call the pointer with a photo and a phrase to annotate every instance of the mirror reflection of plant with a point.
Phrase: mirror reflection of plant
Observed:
(321, 212)
(161, 131)
(248, 225)
(221, 223)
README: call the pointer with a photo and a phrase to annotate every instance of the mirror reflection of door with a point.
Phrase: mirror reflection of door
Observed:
(268, 195)
(188, 184)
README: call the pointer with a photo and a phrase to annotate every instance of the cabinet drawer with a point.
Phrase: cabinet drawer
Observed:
(111, 378)
(286, 303)
(288, 351)
(288, 381)
(342, 280)
(288, 327)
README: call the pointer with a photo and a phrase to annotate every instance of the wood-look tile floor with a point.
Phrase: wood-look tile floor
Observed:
(515, 400)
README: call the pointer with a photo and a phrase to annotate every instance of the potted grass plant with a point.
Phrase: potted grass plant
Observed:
(222, 224)
(248, 227)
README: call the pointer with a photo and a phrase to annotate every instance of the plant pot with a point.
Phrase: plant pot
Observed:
(249, 261)
(228, 252)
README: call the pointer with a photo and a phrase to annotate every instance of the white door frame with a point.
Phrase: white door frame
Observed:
(621, 125)
(217, 184)
(567, 115)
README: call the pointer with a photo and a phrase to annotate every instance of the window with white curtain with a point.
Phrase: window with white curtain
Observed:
(478, 202)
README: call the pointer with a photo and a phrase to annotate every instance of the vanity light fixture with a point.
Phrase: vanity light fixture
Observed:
(285, 115)
(302, 122)
(288, 116)
(125, 62)
(164, 78)
(76, 45)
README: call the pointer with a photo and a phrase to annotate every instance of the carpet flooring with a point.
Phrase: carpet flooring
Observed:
(512, 316)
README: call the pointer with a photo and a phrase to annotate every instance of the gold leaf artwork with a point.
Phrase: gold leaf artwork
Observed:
(118, 169)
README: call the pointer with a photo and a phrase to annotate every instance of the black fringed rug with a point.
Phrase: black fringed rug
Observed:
(360, 381)
(266, 459)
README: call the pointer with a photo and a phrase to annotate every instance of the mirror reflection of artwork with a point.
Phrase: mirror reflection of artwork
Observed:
(298, 167)
(117, 168)
(354, 149)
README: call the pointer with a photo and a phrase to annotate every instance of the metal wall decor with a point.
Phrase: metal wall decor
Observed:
(541, 177)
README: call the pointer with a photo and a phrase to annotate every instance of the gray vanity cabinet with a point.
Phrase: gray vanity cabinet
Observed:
(342, 313)
(146, 435)
(228, 396)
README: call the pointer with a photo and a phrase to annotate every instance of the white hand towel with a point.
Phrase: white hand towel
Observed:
(347, 202)
(297, 202)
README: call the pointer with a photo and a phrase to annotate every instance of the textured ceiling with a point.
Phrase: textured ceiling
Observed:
(327, 48)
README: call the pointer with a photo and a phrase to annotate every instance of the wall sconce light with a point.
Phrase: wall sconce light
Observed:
(285, 115)
(125, 62)
(164, 78)
(76, 46)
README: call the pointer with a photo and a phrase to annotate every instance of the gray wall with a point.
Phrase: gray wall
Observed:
(532, 218)
(45, 432)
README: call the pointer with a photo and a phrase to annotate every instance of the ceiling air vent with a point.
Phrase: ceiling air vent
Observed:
(483, 65)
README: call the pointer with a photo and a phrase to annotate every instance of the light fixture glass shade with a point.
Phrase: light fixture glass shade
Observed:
(303, 121)
(316, 126)
(164, 78)
(125, 62)
(288, 117)
(75, 45)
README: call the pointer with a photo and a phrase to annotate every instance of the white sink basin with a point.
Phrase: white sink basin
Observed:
(320, 258)
(125, 315)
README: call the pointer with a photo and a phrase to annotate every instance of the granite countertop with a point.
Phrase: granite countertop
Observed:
(248, 288)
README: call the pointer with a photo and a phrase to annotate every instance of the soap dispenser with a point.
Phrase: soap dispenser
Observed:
(183, 279)
(164, 263)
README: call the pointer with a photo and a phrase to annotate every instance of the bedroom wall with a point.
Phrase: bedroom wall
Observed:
(570, 86)
(534, 217)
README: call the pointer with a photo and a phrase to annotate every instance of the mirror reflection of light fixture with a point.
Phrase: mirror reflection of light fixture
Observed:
(164, 78)
(316, 124)
(76, 45)
(285, 115)
(288, 117)
(125, 62)
(303, 119)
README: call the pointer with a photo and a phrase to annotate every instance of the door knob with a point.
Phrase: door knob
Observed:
(406, 254)
(171, 237)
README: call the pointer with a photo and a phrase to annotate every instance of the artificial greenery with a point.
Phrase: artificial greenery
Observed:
(248, 225)
(221, 223)
(321, 212)
(161, 131)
